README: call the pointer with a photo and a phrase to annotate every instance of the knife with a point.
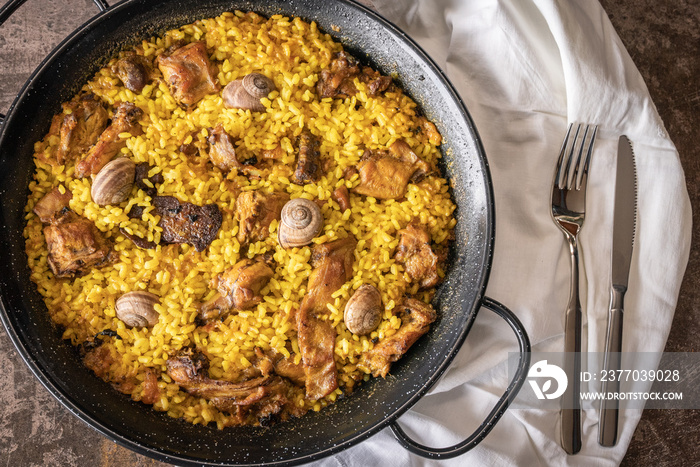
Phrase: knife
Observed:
(623, 241)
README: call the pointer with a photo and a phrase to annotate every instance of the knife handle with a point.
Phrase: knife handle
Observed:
(609, 408)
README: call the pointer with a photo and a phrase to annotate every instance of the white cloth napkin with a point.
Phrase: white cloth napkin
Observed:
(525, 69)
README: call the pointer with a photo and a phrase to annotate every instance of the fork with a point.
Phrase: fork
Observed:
(568, 213)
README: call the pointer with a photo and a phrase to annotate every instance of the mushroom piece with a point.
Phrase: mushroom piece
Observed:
(113, 182)
(363, 312)
(246, 93)
(301, 221)
(137, 309)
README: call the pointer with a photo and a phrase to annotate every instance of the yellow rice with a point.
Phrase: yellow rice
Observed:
(292, 52)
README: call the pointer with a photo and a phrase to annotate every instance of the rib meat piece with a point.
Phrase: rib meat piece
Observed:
(417, 256)
(255, 211)
(125, 120)
(222, 153)
(332, 263)
(258, 399)
(134, 71)
(81, 124)
(337, 81)
(238, 288)
(309, 161)
(187, 222)
(51, 204)
(385, 175)
(188, 73)
(75, 245)
(416, 317)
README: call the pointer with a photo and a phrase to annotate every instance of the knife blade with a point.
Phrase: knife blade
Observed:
(623, 242)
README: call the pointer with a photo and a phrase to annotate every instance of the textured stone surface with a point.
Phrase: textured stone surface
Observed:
(663, 38)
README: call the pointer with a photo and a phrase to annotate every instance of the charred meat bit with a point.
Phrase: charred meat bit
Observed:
(188, 73)
(75, 245)
(255, 211)
(140, 242)
(338, 80)
(125, 120)
(260, 399)
(238, 288)
(142, 170)
(134, 71)
(385, 175)
(187, 222)
(51, 204)
(309, 162)
(418, 258)
(342, 197)
(151, 391)
(430, 131)
(332, 263)
(81, 124)
(416, 317)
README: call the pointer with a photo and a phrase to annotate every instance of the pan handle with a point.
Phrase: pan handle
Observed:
(500, 408)
(10, 7)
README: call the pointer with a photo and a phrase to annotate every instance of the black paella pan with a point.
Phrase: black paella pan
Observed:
(376, 404)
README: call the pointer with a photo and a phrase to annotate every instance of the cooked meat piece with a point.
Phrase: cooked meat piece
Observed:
(385, 175)
(342, 197)
(238, 288)
(188, 73)
(258, 398)
(332, 263)
(82, 123)
(151, 391)
(222, 153)
(141, 174)
(416, 255)
(187, 222)
(134, 71)
(338, 80)
(309, 160)
(136, 212)
(431, 131)
(125, 120)
(138, 241)
(75, 245)
(270, 361)
(99, 359)
(51, 204)
(255, 211)
(416, 317)
(274, 154)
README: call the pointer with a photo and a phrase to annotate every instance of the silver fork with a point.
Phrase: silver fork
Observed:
(568, 212)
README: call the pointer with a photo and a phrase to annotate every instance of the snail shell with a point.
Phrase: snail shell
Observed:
(301, 221)
(246, 93)
(137, 309)
(113, 182)
(363, 312)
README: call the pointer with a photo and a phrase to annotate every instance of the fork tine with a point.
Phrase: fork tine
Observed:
(561, 170)
(570, 172)
(582, 177)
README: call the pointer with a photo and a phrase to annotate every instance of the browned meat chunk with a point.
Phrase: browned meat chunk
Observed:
(151, 391)
(342, 197)
(187, 222)
(75, 245)
(125, 120)
(270, 361)
(255, 211)
(81, 124)
(188, 73)
(222, 153)
(262, 399)
(338, 80)
(134, 71)
(416, 255)
(332, 263)
(385, 175)
(416, 317)
(141, 174)
(51, 204)
(238, 288)
(431, 131)
(138, 241)
(309, 161)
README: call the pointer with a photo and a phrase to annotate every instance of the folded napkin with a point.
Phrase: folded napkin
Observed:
(525, 69)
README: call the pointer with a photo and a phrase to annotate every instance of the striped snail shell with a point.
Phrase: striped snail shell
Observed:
(301, 221)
